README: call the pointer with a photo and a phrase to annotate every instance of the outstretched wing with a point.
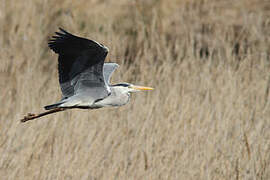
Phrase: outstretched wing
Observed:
(80, 65)
(108, 69)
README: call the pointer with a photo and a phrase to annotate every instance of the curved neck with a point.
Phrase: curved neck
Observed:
(119, 96)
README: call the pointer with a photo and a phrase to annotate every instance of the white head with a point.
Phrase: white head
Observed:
(120, 94)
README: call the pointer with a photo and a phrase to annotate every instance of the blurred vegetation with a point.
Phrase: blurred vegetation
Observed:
(208, 118)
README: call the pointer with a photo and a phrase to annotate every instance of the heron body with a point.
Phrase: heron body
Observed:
(84, 77)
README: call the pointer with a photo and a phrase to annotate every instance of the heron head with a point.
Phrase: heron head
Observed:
(127, 87)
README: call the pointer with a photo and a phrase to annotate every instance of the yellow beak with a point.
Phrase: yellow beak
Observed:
(141, 88)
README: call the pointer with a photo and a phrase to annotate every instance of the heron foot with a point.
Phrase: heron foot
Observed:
(30, 115)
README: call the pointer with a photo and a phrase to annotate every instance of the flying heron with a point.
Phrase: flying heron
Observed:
(84, 77)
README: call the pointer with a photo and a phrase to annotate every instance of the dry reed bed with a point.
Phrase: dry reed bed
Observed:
(208, 117)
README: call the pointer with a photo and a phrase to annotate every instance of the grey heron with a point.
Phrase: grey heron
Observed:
(84, 77)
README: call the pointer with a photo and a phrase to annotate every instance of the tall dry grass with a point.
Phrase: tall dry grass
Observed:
(208, 117)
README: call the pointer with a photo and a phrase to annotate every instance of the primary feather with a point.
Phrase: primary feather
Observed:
(80, 67)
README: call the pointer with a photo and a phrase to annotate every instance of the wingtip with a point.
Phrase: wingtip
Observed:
(61, 29)
(64, 31)
(59, 36)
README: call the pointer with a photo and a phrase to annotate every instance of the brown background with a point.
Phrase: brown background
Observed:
(208, 117)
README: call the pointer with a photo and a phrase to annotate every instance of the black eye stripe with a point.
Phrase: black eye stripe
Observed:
(122, 84)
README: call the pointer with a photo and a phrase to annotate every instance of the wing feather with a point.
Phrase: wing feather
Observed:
(108, 69)
(80, 65)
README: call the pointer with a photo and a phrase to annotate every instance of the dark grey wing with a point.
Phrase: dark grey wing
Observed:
(108, 69)
(80, 65)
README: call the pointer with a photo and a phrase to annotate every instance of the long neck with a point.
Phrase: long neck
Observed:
(118, 97)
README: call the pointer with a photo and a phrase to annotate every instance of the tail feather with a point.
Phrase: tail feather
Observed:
(53, 106)
(66, 103)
